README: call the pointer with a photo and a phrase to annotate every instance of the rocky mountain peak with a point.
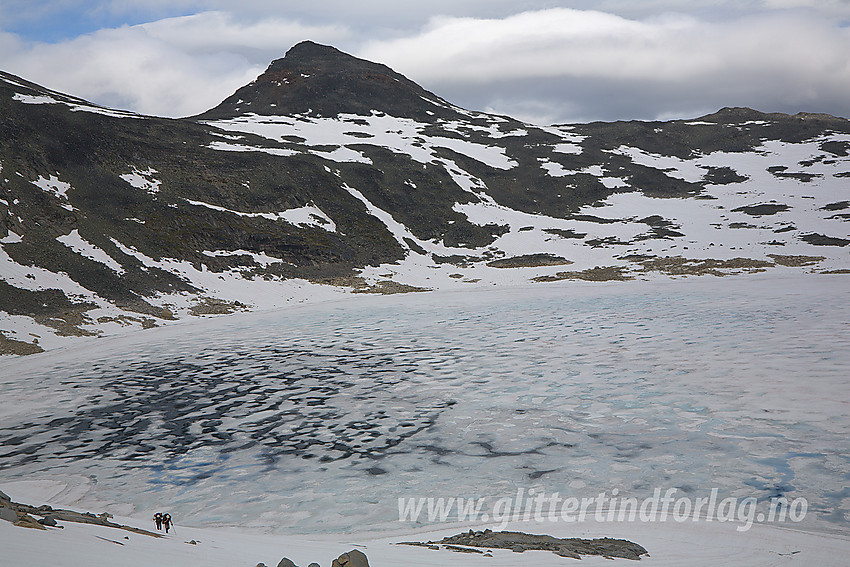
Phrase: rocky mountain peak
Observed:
(320, 80)
(314, 54)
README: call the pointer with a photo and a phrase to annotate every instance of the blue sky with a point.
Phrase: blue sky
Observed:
(545, 61)
(64, 24)
(56, 27)
(57, 21)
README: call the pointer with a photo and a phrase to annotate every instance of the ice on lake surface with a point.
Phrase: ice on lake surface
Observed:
(318, 418)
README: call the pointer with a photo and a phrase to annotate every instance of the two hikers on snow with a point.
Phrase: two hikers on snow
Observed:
(162, 521)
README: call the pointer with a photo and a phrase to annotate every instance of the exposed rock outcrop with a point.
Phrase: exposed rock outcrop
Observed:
(24, 515)
(519, 542)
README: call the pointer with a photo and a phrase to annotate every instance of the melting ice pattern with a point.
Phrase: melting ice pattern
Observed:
(319, 418)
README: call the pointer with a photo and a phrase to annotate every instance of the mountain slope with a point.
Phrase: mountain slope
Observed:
(330, 174)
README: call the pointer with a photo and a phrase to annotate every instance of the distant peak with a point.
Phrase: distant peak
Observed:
(323, 81)
(307, 48)
(309, 56)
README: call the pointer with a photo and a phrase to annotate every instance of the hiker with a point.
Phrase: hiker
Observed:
(157, 518)
(166, 521)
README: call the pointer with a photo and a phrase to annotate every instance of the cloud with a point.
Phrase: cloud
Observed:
(624, 60)
(220, 31)
(172, 67)
(832, 7)
(539, 44)
(778, 61)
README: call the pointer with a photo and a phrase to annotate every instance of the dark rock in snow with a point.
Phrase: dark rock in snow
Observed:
(529, 261)
(353, 558)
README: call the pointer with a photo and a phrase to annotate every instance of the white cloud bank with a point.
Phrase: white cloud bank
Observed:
(172, 67)
(543, 65)
(575, 58)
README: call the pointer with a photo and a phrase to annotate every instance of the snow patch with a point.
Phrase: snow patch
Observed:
(10, 238)
(687, 170)
(74, 107)
(78, 244)
(234, 284)
(555, 169)
(308, 215)
(34, 278)
(142, 179)
(261, 258)
(34, 99)
(567, 148)
(226, 147)
(401, 135)
(53, 186)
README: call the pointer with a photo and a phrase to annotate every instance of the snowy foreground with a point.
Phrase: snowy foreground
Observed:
(669, 543)
(294, 433)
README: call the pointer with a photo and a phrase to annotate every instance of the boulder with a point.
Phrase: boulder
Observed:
(8, 514)
(286, 562)
(353, 558)
(4, 497)
(47, 521)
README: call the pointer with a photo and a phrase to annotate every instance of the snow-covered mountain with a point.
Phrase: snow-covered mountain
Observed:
(330, 174)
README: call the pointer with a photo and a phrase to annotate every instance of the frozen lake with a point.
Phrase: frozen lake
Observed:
(318, 418)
